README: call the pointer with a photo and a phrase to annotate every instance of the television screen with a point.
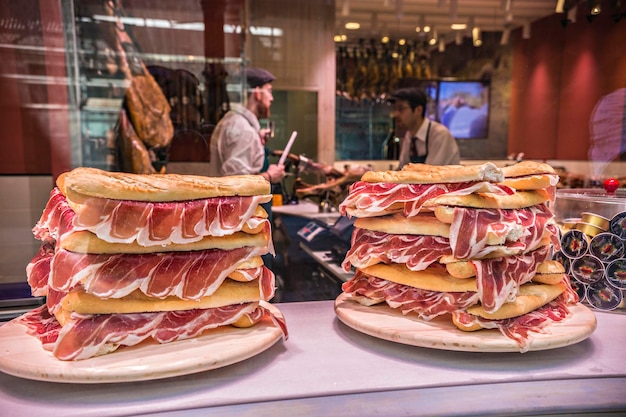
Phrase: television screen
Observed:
(463, 107)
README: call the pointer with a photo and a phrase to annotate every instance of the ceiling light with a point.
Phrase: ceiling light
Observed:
(432, 41)
(426, 29)
(596, 9)
(337, 38)
(418, 29)
(458, 26)
(384, 39)
(353, 25)
(401, 41)
(476, 37)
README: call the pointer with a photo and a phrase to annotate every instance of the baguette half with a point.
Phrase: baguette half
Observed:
(87, 242)
(81, 183)
(430, 279)
(230, 292)
(530, 297)
(520, 199)
(434, 174)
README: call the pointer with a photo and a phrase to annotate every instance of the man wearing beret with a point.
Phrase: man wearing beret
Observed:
(425, 140)
(238, 143)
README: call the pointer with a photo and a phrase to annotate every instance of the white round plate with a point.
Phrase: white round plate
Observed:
(383, 322)
(22, 355)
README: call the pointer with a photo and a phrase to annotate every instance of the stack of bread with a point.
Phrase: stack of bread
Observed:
(473, 243)
(129, 257)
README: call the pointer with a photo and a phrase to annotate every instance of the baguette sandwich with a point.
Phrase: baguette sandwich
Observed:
(130, 257)
(379, 193)
(495, 237)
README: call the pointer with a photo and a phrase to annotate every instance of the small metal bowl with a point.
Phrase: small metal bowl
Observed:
(595, 220)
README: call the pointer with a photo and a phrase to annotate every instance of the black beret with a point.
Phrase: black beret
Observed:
(413, 95)
(257, 77)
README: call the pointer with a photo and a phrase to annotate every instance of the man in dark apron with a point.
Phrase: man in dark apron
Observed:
(425, 141)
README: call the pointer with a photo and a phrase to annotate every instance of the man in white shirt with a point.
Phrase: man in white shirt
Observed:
(425, 140)
(238, 142)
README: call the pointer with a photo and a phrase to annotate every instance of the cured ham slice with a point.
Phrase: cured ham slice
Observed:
(38, 269)
(187, 275)
(147, 223)
(470, 227)
(56, 218)
(150, 224)
(426, 304)
(520, 329)
(499, 279)
(377, 198)
(86, 336)
(370, 247)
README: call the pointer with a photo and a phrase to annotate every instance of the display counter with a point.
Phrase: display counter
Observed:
(308, 210)
(327, 369)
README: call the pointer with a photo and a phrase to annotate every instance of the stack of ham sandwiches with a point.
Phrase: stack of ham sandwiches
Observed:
(130, 257)
(470, 242)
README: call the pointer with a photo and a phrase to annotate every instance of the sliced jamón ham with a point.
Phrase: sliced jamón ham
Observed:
(498, 279)
(187, 275)
(373, 198)
(426, 304)
(148, 223)
(470, 227)
(520, 329)
(370, 247)
(86, 336)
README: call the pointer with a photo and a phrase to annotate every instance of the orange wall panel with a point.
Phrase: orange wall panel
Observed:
(559, 74)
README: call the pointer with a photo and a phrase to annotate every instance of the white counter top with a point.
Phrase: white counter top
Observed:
(307, 209)
(326, 368)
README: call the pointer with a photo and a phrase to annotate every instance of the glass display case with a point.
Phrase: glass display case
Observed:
(111, 46)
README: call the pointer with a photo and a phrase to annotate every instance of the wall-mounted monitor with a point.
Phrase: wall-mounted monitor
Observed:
(463, 107)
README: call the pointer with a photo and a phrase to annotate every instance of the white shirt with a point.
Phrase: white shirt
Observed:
(442, 147)
(236, 147)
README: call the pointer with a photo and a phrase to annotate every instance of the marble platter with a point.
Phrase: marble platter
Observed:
(22, 355)
(383, 322)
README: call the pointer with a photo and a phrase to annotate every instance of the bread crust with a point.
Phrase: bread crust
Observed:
(238, 275)
(422, 224)
(392, 209)
(471, 328)
(91, 182)
(530, 297)
(520, 199)
(87, 242)
(550, 266)
(251, 263)
(230, 292)
(431, 279)
(465, 269)
(244, 321)
(501, 250)
(524, 168)
(532, 182)
(461, 269)
(434, 174)
(550, 279)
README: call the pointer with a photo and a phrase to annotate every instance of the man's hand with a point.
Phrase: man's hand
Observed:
(276, 173)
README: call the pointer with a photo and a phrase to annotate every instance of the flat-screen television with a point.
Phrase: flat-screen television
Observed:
(463, 107)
